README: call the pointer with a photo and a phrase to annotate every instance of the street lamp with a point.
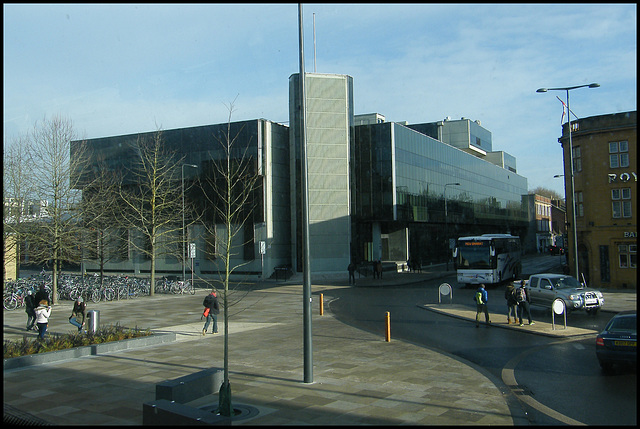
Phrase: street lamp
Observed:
(446, 221)
(574, 229)
(183, 233)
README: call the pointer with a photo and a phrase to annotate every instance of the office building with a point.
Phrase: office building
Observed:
(378, 190)
(605, 197)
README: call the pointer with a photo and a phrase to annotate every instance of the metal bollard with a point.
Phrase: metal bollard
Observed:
(93, 317)
(321, 305)
(387, 336)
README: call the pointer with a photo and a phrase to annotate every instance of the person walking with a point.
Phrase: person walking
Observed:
(523, 299)
(43, 312)
(213, 306)
(481, 297)
(41, 295)
(512, 304)
(379, 268)
(30, 309)
(352, 273)
(79, 309)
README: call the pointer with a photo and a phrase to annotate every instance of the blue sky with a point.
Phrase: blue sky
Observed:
(127, 68)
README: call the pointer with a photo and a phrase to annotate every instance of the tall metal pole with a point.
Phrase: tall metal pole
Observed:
(574, 227)
(306, 294)
(183, 231)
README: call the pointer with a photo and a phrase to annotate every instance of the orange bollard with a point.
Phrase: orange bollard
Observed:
(387, 336)
(321, 305)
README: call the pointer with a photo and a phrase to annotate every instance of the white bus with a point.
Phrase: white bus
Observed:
(488, 258)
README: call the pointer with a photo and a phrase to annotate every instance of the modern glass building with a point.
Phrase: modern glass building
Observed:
(405, 182)
(377, 190)
(263, 143)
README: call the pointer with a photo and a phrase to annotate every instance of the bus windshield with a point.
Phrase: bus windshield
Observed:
(474, 254)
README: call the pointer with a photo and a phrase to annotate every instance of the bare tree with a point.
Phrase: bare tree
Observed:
(55, 238)
(229, 183)
(17, 193)
(103, 241)
(152, 201)
(550, 193)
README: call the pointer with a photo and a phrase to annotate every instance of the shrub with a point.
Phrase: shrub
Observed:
(28, 346)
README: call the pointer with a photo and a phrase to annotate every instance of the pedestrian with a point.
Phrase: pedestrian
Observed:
(211, 310)
(481, 298)
(512, 304)
(379, 268)
(523, 299)
(43, 312)
(352, 273)
(79, 309)
(42, 294)
(30, 309)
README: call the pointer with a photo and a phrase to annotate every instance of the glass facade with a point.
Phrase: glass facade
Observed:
(400, 178)
(261, 146)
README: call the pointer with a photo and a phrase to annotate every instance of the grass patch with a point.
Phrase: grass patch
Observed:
(28, 346)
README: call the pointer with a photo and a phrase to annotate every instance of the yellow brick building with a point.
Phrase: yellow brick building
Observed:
(605, 198)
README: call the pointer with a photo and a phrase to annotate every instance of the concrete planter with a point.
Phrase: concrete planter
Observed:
(95, 349)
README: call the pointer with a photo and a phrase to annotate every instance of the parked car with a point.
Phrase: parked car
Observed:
(617, 343)
(544, 289)
(556, 250)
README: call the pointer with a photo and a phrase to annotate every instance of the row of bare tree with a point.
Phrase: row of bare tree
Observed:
(89, 209)
(88, 204)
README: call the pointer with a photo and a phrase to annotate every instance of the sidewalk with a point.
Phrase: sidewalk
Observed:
(358, 377)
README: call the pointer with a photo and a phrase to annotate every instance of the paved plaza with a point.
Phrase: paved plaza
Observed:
(358, 377)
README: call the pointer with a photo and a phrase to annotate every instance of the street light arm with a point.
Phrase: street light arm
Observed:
(569, 88)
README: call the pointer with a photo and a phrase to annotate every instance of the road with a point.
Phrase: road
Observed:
(553, 381)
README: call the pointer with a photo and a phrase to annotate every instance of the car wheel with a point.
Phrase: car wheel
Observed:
(607, 367)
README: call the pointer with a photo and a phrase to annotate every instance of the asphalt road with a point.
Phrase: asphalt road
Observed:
(556, 381)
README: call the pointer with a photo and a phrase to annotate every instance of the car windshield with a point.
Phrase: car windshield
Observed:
(623, 324)
(567, 283)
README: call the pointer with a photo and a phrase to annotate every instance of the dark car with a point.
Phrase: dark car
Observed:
(617, 343)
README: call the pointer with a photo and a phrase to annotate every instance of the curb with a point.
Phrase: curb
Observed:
(92, 350)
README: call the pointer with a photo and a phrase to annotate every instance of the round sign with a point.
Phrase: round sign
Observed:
(445, 288)
(558, 306)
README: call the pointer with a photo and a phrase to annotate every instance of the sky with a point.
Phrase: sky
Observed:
(116, 69)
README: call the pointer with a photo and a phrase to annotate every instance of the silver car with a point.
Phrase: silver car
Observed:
(544, 289)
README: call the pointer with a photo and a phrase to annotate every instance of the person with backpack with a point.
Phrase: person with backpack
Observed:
(481, 297)
(211, 310)
(512, 304)
(523, 300)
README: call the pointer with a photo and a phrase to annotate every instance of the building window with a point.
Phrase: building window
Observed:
(577, 159)
(579, 204)
(618, 154)
(621, 203)
(628, 255)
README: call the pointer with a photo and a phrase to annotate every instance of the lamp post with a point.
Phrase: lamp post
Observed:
(446, 221)
(574, 229)
(183, 233)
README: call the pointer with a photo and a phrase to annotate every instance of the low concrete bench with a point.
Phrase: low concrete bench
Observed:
(193, 386)
(164, 412)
